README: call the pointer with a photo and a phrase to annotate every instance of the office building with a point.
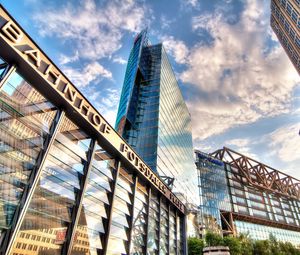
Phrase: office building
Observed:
(241, 195)
(285, 21)
(154, 119)
(69, 183)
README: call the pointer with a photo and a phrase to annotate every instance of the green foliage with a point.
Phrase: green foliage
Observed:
(243, 245)
(195, 246)
(212, 239)
(247, 245)
(234, 244)
(262, 247)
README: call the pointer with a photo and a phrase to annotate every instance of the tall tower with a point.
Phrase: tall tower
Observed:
(285, 21)
(153, 117)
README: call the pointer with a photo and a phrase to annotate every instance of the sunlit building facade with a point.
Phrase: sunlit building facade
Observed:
(285, 21)
(241, 195)
(153, 117)
(69, 183)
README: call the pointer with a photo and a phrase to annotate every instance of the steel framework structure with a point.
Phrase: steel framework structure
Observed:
(260, 175)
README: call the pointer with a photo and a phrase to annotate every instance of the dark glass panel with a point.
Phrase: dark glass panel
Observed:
(152, 242)
(138, 239)
(173, 246)
(90, 231)
(54, 199)
(118, 240)
(3, 68)
(25, 120)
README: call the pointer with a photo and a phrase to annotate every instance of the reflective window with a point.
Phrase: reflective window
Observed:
(90, 231)
(138, 245)
(119, 232)
(49, 212)
(3, 68)
(261, 232)
(173, 243)
(164, 228)
(152, 241)
(157, 123)
(25, 120)
(213, 191)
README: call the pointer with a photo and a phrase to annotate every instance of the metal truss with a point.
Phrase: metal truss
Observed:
(169, 181)
(258, 174)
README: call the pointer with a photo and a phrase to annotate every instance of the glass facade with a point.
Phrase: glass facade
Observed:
(66, 190)
(285, 21)
(25, 120)
(228, 198)
(137, 223)
(261, 232)
(248, 200)
(157, 123)
(214, 193)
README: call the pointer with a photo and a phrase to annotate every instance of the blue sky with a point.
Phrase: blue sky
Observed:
(240, 87)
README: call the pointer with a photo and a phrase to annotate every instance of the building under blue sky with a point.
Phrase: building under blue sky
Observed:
(154, 119)
(239, 85)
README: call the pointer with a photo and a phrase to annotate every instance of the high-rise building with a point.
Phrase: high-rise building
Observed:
(241, 195)
(153, 117)
(69, 183)
(285, 21)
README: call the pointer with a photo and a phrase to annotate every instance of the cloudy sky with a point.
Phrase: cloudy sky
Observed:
(240, 87)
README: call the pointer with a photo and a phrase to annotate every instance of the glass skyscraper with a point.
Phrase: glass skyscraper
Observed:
(153, 117)
(213, 191)
(285, 21)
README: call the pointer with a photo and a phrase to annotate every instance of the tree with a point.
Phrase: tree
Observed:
(246, 243)
(195, 246)
(234, 244)
(212, 239)
(262, 247)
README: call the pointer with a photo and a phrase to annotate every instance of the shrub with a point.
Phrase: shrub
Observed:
(195, 246)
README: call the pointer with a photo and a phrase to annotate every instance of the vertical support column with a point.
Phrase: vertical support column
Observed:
(111, 202)
(176, 232)
(159, 220)
(169, 234)
(184, 236)
(28, 192)
(148, 217)
(232, 224)
(132, 213)
(70, 235)
(9, 72)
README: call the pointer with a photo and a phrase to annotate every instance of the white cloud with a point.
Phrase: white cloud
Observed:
(95, 31)
(64, 59)
(285, 142)
(119, 60)
(91, 72)
(235, 80)
(176, 48)
(285, 147)
(242, 142)
(106, 105)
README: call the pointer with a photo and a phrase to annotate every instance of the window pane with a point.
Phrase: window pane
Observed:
(25, 120)
(118, 240)
(49, 212)
(90, 230)
(139, 221)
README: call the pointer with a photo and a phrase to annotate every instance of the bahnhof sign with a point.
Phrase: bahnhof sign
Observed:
(69, 184)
